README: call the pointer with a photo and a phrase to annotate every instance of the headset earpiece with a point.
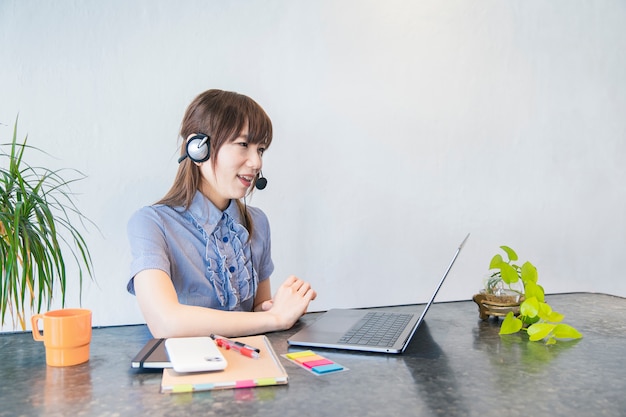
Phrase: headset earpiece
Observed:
(197, 148)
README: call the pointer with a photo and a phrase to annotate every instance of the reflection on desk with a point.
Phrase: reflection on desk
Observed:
(456, 365)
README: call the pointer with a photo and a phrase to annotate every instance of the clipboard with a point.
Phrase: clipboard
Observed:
(241, 372)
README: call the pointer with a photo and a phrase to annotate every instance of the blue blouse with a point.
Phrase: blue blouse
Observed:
(205, 252)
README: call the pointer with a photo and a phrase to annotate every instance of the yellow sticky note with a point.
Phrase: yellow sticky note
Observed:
(295, 355)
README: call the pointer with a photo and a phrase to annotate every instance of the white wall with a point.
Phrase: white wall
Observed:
(400, 126)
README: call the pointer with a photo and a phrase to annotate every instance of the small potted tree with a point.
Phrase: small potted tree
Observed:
(513, 292)
(37, 233)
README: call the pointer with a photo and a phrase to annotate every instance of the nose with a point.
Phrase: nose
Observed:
(254, 159)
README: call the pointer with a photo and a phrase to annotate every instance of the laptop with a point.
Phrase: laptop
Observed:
(362, 329)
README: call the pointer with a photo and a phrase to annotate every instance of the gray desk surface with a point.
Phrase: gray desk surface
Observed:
(456, 365)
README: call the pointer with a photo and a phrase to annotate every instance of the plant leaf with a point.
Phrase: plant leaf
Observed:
(547, 314)
(510, 324)
(533, 290)
(529, 320)
(544, 310)
(529, 273)
(510, 253)
(539, 331)
(554, 317)
(529, 307)
(509, 274)
(565, 331)
(496, 261)
(37, 234)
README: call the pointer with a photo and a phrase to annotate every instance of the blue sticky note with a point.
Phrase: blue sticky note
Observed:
(324, 369)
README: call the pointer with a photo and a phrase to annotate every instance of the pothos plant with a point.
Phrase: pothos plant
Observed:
(536, 317)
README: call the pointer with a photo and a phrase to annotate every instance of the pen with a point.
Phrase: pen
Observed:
(242, 348)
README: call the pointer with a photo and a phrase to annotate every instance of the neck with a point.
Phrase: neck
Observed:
(219, 202)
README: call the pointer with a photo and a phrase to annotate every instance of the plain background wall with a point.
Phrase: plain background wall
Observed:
(400, 126)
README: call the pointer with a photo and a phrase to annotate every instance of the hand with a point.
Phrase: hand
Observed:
(290, 302)
(266, 305)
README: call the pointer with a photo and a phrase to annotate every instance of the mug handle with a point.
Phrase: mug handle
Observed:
(37, 335)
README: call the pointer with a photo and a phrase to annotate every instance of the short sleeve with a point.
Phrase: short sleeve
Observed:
(146, 236)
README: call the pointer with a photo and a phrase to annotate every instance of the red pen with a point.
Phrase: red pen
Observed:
(242, 348)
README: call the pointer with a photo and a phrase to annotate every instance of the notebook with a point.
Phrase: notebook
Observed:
(241, 372)
(152, 356)
(376, 330)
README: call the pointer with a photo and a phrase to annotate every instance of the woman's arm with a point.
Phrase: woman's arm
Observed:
(263, 298)
(166, 317)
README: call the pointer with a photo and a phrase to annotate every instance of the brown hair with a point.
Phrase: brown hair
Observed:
(221, 115)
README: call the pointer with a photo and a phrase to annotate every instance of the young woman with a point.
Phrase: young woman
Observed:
(201, 258)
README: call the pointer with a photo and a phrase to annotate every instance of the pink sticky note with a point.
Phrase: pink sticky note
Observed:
(319, 362)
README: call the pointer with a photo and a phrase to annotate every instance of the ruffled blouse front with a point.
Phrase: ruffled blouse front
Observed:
(205, 251)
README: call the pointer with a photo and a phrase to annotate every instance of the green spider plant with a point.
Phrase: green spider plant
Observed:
(36, 234)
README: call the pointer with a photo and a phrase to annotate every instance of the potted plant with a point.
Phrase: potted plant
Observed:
(37, 233)
(524, 301)
(503, 291)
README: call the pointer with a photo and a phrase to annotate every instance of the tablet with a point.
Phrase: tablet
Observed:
(194, 354)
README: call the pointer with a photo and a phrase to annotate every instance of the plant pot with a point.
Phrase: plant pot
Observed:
(496, 305)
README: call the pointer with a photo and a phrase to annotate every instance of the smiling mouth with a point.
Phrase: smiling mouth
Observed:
(246, 179)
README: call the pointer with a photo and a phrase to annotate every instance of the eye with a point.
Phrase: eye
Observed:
(243, 144)
(261, 151)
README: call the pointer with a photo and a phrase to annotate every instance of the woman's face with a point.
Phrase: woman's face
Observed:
(238, 162)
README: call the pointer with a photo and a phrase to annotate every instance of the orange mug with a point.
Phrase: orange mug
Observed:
(66, 335)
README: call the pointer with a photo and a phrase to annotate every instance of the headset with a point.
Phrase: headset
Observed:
(197, 148)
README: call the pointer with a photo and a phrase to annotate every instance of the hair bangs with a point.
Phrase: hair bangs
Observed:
(259, 125)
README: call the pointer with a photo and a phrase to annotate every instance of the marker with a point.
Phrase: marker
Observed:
(242, 348)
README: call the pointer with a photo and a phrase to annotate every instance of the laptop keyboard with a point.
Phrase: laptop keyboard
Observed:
(377, 329)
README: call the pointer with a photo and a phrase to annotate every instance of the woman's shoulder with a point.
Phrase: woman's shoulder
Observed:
(158, 213)
(151, 210)
(257, 214)
(260, 221)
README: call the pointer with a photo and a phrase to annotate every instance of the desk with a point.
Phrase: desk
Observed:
(456, 365)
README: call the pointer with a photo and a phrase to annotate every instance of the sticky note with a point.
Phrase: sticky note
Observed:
(294, 355)
(314, 362)
(311, 358)
(327, 368)
(319, 362)
(245, 383)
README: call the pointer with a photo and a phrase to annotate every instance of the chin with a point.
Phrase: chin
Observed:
(239, 196)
